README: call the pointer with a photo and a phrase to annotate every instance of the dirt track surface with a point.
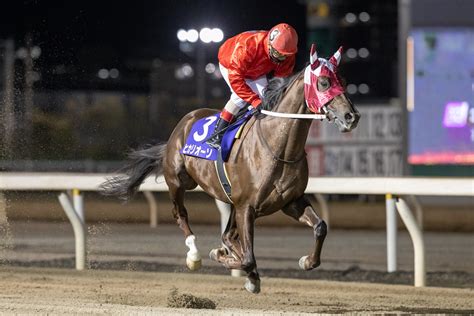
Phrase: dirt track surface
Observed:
(59, 291)
(347, 255)
(152, 263)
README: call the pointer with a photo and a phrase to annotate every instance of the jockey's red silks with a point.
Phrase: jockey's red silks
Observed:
(227, 116)
(320, 67)
(246, 56)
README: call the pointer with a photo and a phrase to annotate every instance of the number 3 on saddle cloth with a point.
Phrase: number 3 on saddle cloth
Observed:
(203, 129)
(196, 145)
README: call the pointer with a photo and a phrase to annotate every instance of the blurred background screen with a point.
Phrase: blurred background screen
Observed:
(441, 111)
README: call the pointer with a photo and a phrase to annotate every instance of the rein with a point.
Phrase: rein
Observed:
(295, 116)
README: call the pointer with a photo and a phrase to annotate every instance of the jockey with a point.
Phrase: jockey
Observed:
(244, 62)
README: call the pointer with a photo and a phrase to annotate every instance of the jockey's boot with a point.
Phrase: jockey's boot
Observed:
(216, 139)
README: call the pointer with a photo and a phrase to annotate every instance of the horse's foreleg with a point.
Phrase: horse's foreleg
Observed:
(301, 210)
(193, 258)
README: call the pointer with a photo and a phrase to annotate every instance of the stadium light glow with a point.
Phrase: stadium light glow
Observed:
(364, 88)
(364, 17)
(103, 73)
(210, 68)
(114, 73)
(217, 35)
(182, 35)
(351, 88)
(363, 52)
(206, 35)
(350, 17)
(351, 53)
(193, 36)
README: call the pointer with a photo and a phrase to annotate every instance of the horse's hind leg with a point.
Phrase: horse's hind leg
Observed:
(301, 210)
(193, 258)
(238, 238)
(230, 237)
(230, 256)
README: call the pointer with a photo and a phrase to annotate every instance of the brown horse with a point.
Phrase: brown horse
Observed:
(267, 167)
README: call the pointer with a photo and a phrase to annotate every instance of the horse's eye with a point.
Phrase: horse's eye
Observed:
(323, 84)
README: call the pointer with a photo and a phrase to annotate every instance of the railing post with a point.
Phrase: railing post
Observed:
(418, 210)
(153, 208)
(324, 207)
(78, 203)
(417, 239)
(78, 225)
(391, 221)
(225, 210)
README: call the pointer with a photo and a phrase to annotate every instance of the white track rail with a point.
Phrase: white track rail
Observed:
(393, 188)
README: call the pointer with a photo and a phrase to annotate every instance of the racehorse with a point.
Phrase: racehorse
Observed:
(267, 166)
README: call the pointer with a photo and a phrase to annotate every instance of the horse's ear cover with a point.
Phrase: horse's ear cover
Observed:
(336, 58)
(313, 57)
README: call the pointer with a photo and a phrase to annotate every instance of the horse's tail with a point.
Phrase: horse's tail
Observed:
(140, 165)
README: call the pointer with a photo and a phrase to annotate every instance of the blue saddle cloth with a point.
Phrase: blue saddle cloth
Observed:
(203, 129)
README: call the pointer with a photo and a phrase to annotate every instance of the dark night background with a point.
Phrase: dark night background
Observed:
(88, 35)
(85, 36)
(68, 112)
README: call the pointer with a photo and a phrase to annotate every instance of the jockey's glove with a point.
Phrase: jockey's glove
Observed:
(255, 110)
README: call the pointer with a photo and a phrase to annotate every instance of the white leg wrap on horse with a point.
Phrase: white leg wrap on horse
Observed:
(193, 257)
(302, 262)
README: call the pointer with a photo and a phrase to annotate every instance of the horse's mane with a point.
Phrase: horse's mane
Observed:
(276, 89)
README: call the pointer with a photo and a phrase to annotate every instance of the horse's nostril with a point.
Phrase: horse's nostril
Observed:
(349, 117)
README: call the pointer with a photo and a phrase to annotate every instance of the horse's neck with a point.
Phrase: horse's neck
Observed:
(293, 99)
(288, 136)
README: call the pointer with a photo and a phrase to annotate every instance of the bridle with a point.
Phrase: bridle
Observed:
(324, 111)
(314, 100)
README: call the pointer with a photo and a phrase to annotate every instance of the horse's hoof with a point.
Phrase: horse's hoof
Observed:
(217, 253)
(253, 286)
(193, 260)
(306, 265)
(214, 254)
(302, 262)
(193, 265)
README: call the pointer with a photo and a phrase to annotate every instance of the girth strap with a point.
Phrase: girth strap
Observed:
(222, 175)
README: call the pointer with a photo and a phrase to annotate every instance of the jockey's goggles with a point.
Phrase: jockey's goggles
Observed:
(276, 54)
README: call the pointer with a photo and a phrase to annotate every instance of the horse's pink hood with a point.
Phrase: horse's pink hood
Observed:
(320, 67)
